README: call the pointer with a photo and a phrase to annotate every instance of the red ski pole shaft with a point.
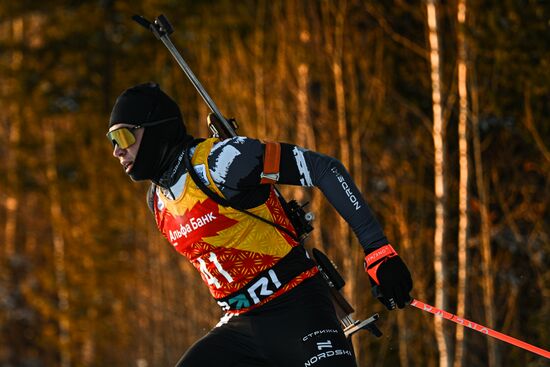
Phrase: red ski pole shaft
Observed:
(480, 328)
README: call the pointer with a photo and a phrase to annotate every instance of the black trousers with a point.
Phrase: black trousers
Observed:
(297, 329)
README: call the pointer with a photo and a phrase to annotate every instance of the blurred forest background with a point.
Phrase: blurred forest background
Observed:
(440, 110)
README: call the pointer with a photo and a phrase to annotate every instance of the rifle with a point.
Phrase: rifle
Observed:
(227, 128)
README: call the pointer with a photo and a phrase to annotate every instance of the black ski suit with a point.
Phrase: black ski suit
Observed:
(299, 327)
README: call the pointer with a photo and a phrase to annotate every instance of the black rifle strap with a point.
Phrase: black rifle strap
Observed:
(219, 199)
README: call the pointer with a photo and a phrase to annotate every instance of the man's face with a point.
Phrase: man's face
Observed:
(127, 156)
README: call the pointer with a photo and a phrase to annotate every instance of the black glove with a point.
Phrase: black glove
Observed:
(390, 278)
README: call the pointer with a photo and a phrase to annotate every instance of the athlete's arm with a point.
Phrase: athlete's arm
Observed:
(236, 165)
(304, 167)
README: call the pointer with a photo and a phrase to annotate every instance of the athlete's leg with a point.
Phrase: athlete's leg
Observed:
(229, 345)
(301, 329)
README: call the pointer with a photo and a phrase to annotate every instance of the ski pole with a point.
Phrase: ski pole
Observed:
(480, 328)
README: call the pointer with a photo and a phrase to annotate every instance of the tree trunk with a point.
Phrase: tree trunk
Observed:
(485, 235)
(335, 45)
(57, 223)
(441, 297)
(305, 136)
(10, 130)
(11, 198)
(530, 125)
(259, 82)
(356, 169)
(463, 191)
(405, 250)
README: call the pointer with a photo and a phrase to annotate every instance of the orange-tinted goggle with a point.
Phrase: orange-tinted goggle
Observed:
(124, 137)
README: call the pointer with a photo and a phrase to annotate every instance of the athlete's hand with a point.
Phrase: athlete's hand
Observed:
(390, 278)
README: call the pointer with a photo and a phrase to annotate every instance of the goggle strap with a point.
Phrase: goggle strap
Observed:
(154, 123)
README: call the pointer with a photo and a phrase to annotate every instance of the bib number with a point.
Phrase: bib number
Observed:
(211, 279)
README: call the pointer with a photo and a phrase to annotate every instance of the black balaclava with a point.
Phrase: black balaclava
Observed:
(160, 144)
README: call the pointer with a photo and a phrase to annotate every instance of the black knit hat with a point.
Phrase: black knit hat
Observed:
(146, 104)
(143, 103)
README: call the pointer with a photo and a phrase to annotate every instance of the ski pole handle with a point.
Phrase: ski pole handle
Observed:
(479, 328)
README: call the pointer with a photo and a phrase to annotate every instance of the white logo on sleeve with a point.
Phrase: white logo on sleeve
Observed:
(305, 179)
(223, 162)
(201, 171)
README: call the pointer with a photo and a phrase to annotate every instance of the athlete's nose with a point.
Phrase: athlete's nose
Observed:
(118, 152)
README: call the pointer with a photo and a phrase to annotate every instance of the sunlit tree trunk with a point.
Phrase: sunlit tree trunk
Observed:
(356, 162)
(355, 167)
(441, 297)
(206, 60)
(305, 136)
(88, 325)
(335, 45)
(339, 87)
(530, 124)
(145, 323)
(258, 62)
(92, 223)
(10, 130)
(11, 198)
(57, 223)
(108, 77)
(157, 294)
(485, 234)
(405, 250)
(463, 191)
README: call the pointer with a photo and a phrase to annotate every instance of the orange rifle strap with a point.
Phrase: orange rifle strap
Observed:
(272, 161)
